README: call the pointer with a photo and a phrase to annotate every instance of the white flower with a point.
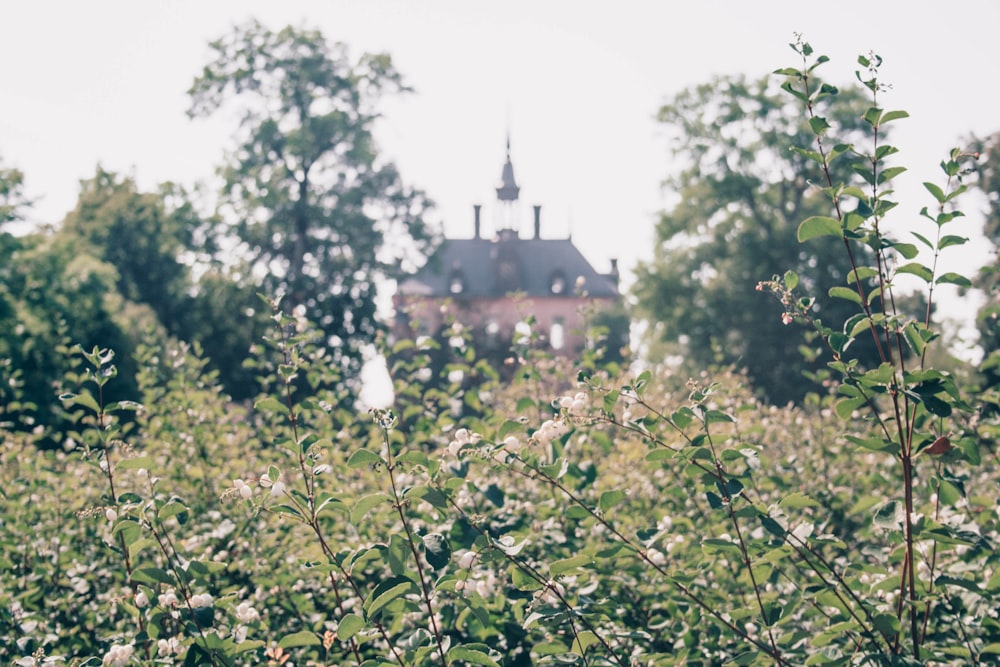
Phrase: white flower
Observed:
(111, 514)
(240, 634)
(512, 444)
(169, 646)
(550, 430)
(201, 600)
(118, 655)
(803, 530)
(656, 557)
(265, 481)
(278, 489)
(141, 599)
(322, 468)
(243, 488)
(553, 592)
(462, 438)
(246, 613)
(168, 598)
(466, 560)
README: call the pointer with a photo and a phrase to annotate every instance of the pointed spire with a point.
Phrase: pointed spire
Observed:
(508, 188)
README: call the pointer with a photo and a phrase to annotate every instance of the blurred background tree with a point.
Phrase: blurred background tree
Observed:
(741, 192)
(988, 280)
(320, 216)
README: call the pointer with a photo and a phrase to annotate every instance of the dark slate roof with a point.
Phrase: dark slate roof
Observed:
(532, 265)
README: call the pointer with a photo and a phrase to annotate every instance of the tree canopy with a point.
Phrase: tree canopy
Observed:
(742, 189)
(319, 215)
(988, 280)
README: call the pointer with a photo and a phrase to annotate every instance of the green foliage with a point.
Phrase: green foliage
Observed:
(320, 214)
(138, 235)
(743, 187)
(988, 280)
(621, 518)
(12, 198)
(57, 295)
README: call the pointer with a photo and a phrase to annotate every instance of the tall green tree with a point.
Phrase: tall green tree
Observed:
(988, 280)
(320, 215)
(13, 201)
(742, 189)
(141, 236)
(161, 251)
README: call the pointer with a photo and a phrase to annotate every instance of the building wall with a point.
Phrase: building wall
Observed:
(498, 317)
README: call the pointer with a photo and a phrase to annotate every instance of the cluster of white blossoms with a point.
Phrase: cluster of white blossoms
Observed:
(201, 600)
(463, 437)
(169, 646)
(245, 613)
(276, 485)
(118, 655)
(656, 557)
(167, 599)
(243, 489)
(550, 430)
(576, 405)
(482, 582)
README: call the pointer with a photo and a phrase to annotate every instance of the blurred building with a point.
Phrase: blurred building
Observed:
(492, 285)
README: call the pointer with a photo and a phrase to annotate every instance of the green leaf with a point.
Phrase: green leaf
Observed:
(301, 638)
(890, 116)
(887, 624)
(952, 278)
(714, 500)
(845, 293)
(907, 250)
(718, 417)
(464, 653)
(797, 501)
(567, 565)
(364, 457)
(151, 576)
(889, 516)
(366, 503)
(791, 280)
(819, 226)
(874, 444)
(918, 270)
(890, 173)
(819, 125)
(270, 404)
(935, 191)
(847, 406)
(387, 591)
(950, 240)
(611, 498)
(349, 626)
(719, 546)
(135, 463)
(437, 550)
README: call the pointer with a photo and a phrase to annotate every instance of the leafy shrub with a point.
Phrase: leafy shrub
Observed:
(621, 518)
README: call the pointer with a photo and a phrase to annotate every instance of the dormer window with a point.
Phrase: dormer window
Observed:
(557, 283)
(456, 283)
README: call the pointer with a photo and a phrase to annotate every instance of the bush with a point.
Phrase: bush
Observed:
(630, 518)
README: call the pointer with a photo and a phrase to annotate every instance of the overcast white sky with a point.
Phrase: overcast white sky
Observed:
(576, 82)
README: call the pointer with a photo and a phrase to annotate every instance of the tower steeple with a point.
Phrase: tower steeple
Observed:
(507, 193)
(508, 188)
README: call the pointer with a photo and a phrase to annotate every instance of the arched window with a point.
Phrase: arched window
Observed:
(557, 334)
